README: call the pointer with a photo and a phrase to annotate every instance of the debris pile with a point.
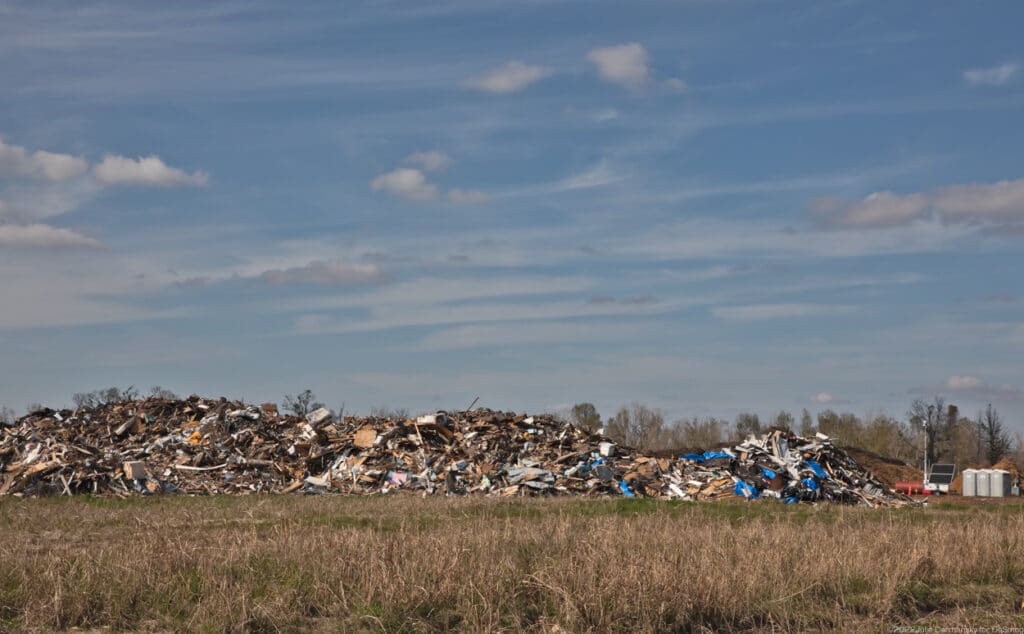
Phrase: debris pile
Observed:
(207, 446)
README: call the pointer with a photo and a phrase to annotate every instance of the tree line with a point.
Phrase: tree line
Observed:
(933, 426)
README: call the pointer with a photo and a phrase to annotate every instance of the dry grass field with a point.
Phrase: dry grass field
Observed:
(281, 564)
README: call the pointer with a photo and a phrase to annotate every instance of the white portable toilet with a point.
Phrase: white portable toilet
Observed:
(983, 479)
(970, 486)
(999, 483)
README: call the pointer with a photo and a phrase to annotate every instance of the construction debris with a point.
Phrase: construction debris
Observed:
(205, 446)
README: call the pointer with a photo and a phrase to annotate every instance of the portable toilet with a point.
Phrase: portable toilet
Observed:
(970, 483)
(999, 483)
(982, 480)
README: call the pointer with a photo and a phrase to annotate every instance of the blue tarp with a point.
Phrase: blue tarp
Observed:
(768, 473)
(811, 484)
(745, 490)
(626, 490)
(707, 455)
(711, 455)
(816, 468)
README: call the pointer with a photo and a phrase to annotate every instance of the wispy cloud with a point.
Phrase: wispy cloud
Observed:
(754, 312)
(512, 77)
(993, 76)
(998, 202)
(467, 196)
(17, 161)
(598, 175)
(149, 170)
(405, 182)
(974, 388)
(430, 160)
(43, 236)
(624, 64)
(331, 273)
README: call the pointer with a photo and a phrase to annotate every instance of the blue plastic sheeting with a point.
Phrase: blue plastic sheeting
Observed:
(626, 490)
(768, 473)
(745, 490)
(811, 484)
(792, 500)
(695, 457)
(816, 468)
(711, 455)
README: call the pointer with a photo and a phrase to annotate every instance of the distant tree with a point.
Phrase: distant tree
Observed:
(636, 426)
(399, 413)
(302, 404)
(105, 396)
(806, 423)
(7, 416)
(926, 416)
(996, 439)
(585, 416)
(700, 433)
(785, 420)
(34, 407)
(158, 392)
(747, 424)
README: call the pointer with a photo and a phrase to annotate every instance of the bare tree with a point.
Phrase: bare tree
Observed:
(302, 404)
(747, 424)
(785, 420)
(700, 433)
(158, 392)
(7, 416)
(806, 423)
(397, 413)
(636, 426)
(995, 439)
(106, 396)
(585, 416)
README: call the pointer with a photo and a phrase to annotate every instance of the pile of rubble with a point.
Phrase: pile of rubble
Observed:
(205, 446)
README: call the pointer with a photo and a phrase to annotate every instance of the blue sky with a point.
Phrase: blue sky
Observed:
(709, 207)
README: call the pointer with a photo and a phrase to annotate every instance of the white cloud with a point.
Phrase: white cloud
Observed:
(332, 272)
(505, 334)
(625, 64)
(776, 311)
(968, 386)
(675, 84)
(16, 161)
(40, 236)
(960, 382)
(405, 182)
(1001, 201)
(822, 397)
(597, 176)
(994, 76)
(467, 196)
(149, 170)
(875, 210)
(430, 160)
(512, 77)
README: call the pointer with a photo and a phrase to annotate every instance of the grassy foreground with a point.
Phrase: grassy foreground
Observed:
(266, 563)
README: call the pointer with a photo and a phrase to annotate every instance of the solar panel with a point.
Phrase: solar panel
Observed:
(942, 474)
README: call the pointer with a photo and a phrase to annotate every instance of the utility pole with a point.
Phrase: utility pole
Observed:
(925, 423)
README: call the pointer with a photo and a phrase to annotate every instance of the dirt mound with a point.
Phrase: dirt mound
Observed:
(1008, 465)
(889, 471)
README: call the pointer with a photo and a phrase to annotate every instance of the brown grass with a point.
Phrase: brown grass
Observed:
(406, 564)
